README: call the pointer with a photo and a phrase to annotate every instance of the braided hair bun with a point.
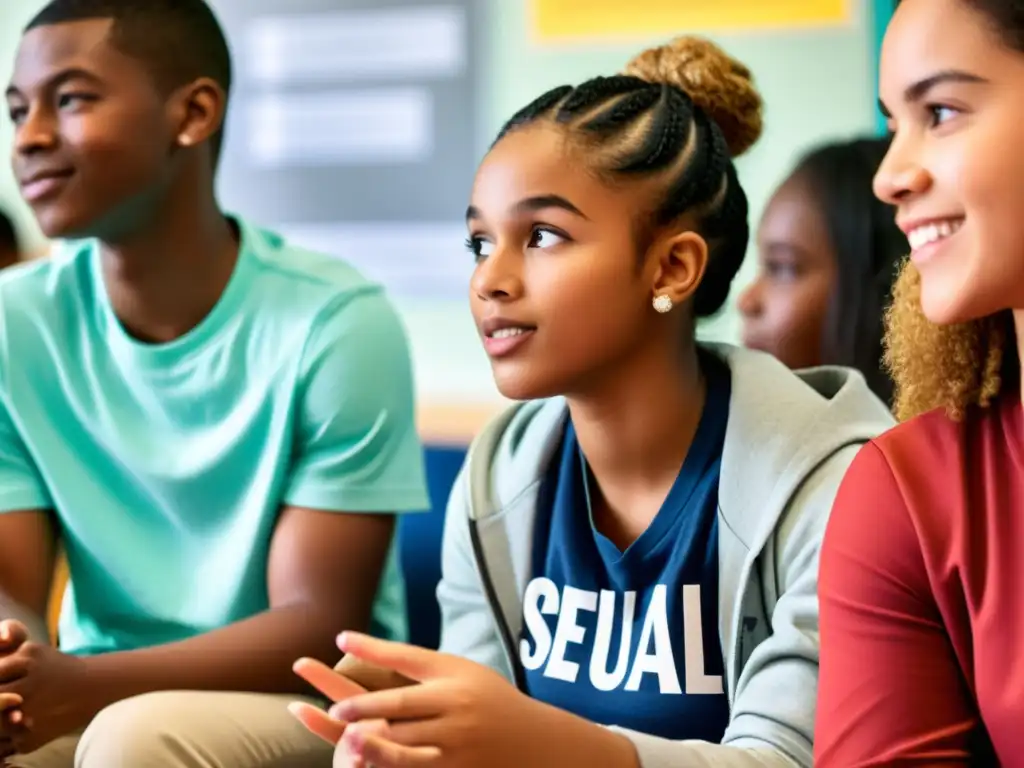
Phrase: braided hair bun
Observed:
(721, 86)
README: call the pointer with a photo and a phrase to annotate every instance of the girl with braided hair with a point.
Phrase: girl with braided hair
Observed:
(630, 555)
(922, 619)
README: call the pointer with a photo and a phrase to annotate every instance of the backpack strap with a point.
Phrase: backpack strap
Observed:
(481, 452)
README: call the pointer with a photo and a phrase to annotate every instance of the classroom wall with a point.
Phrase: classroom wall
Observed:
(818, 84)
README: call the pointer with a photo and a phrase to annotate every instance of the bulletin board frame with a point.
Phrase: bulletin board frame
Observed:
(881, 13)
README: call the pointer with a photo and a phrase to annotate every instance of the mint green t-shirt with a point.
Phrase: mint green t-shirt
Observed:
(167, 465)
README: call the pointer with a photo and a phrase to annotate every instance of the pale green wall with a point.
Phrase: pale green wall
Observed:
(817, 85)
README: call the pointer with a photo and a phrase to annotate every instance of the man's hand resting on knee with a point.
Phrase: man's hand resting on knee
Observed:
(47, 690)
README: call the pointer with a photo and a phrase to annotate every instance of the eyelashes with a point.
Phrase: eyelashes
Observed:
(473, 245)
(941, 113)
(541, 238)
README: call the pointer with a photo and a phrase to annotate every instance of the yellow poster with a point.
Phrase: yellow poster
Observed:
(580, 20)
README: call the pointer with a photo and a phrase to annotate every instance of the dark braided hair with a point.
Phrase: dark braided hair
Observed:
(682, 112)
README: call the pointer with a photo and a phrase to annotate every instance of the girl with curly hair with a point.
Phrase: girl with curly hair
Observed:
(922, 620)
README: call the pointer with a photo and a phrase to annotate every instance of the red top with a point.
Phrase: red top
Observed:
(922, 598)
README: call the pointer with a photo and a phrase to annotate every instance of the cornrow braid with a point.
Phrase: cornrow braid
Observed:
(665, 137)
(596, 92)
(643, 129)
(535, 109)
(623, 112)
(729, 228)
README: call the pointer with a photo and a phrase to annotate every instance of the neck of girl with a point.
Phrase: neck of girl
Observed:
(635, 430)
(167, 272)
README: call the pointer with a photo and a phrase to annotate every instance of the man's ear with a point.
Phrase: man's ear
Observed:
(197, 111)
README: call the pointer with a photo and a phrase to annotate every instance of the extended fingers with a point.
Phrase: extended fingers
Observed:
(369, 676)
(318, 722)
(334, 686)
(409, 661)
(415, 702)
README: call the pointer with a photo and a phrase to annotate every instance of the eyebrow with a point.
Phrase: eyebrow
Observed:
(534, 204)
(780, 247)
(71, 73)
(917, 91)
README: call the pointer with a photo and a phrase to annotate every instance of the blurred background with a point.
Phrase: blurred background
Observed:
(356, 125)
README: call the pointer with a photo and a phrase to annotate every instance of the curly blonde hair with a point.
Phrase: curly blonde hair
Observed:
(953, 367)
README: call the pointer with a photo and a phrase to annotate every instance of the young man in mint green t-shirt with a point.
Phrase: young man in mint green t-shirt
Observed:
(217, 426)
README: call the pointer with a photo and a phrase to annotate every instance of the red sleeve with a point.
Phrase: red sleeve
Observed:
(891, 692)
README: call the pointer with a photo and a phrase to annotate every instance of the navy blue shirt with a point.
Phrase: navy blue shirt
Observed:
(631, 638)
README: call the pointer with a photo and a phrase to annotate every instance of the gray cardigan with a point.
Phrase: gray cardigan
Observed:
(788, 442)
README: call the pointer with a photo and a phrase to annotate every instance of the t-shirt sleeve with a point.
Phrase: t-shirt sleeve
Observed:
(21, 486)
(890, 688)
(356, 446)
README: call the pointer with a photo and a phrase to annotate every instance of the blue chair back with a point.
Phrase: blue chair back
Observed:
(419, 542)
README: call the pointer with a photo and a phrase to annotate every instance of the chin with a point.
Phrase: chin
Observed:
(521, 385)
(941, 313)
(943, 305)
(950, 299)
(57, 224)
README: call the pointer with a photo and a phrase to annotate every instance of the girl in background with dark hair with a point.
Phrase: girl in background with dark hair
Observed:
(922, 609)
(828, 254)
(630, 556)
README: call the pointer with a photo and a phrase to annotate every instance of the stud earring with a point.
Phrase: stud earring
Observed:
(662, 303)
(185, 140)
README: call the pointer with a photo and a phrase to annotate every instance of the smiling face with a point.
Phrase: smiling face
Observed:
(954, 92)
(92, 130)
(784, 309)
(559, 294)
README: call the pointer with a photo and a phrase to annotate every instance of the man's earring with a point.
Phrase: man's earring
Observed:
(184, 140)
(662, 304)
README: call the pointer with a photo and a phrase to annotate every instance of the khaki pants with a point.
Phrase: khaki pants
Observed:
(188, 729)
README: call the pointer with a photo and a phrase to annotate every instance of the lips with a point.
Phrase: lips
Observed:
(925, 234)
(503, 326)
(502, 335)
(505, 341)
(44, 184)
